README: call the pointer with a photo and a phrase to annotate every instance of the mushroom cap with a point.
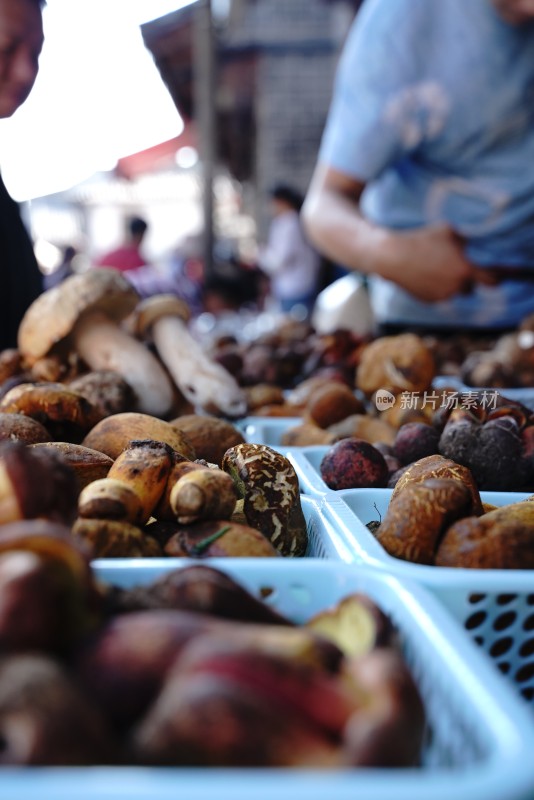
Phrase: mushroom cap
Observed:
(53, 315)
(149, 310)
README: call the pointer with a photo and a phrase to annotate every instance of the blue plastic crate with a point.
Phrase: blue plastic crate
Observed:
(481, 737)
(325, 540)
(496, 607)
(306, 462)
(267, 430)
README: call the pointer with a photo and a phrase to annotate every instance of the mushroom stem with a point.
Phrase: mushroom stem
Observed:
(103, 345)
(205, 383)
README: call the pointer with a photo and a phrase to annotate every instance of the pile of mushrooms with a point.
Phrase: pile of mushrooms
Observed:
(98, 317)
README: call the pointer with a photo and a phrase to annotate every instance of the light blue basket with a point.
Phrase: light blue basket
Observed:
(306, 462)
(481, 737)
(496, 607)
(325, 540)
(267, 430)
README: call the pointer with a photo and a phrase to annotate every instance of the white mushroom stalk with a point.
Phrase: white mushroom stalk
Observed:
(204, 382)
(85, 314)
(103, 345)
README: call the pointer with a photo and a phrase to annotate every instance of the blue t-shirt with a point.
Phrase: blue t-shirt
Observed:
(433, 108)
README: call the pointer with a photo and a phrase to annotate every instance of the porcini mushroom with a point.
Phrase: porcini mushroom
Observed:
(84, 314)
(67, 415)
(205, 383)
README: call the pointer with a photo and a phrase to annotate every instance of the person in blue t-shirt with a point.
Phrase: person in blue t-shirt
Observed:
(425, 175)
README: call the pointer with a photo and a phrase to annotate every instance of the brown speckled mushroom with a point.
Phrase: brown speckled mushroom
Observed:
(84, 314)
(267, 482)
(206, 384)
(67, 415)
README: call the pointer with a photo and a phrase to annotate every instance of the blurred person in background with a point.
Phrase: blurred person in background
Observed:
(21, 42)
(292, 265)
(146, 278)
(180, 274)
(424, 179)
(128, 256)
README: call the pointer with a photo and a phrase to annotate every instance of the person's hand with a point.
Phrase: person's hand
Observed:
(428, 263)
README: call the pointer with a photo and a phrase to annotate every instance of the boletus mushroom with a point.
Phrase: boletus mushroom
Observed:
(205, 383)
(84, 314)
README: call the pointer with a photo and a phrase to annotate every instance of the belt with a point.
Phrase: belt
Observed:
(498, 274)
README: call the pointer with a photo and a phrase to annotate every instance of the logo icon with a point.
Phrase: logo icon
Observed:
(384, 399)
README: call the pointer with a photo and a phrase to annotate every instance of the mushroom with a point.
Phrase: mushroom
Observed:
(22, 428)
(114, 433)
(10, 363)
(35, 483)
(84, 314)
(107, 390)
(67, 415)
(112, 538)
(267, 482)
(88, 465)
(205, 383)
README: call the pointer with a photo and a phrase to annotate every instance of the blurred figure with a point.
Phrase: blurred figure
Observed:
(288, 259)
(129, 255)
(230, 286)
(181, 275)
(64, 270)
(21, 42)
(422, 179)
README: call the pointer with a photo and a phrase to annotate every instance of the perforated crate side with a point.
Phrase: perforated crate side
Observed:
(499, 616)
(325, 540)
(496, 607)
(480, 734)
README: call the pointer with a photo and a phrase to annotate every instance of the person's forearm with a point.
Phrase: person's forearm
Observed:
(336, 227)
(428, 262)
